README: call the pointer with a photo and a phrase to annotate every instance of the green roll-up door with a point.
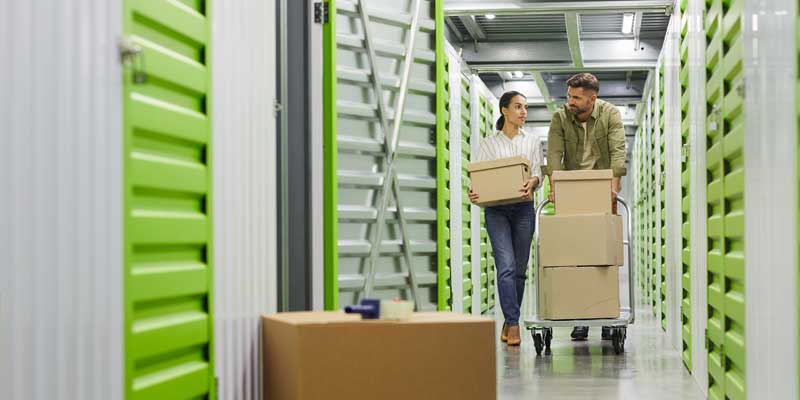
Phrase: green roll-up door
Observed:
(444, 279)
(488, 274)
(365, 248)
(167, 202)
(686, 278)
(654, 206)
(662, 209)
(725, 225)
(643, 206)
(466, 205)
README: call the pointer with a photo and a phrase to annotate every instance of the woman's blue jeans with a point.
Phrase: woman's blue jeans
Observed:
(510, 229)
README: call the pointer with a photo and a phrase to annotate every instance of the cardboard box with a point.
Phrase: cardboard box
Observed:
(579, 293)
(583, 192)
(580, 240)
(499, 181)
(332, 355)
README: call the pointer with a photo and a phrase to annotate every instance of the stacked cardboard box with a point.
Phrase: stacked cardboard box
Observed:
(332, 355)
(580, 249)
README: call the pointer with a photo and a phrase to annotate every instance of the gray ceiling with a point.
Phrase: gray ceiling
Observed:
(550, 40)
(553, 26)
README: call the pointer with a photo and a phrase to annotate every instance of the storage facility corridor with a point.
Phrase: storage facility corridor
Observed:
(399, 199)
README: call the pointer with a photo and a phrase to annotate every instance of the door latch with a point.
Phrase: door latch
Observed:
(685, 153)
(712, 124)
(321, 12)
(131, 55)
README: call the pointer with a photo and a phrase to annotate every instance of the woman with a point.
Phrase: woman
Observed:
(510, 227)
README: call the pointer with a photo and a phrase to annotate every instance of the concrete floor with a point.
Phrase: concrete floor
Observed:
(649, 369)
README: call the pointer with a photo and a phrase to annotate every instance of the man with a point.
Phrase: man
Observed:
(586, 133)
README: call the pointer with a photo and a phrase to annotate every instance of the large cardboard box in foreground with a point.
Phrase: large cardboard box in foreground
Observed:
(583, 192)
(579, 240)
(579, 293)
(499, 181)
(332, 355)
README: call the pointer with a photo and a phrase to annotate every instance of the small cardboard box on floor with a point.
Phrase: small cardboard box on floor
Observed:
(580, 249)
(499, 181)
(332, 355)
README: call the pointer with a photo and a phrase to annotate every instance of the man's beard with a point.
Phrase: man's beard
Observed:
(578, 111)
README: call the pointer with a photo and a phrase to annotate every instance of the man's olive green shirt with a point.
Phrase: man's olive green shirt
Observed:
(565, 141)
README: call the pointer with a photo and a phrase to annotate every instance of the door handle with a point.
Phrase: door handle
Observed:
(131, 55)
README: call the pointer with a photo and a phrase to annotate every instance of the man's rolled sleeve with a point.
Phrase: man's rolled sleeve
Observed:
(555, 147)
(616, 144)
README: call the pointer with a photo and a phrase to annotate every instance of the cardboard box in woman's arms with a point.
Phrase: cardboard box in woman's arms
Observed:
(499, 181)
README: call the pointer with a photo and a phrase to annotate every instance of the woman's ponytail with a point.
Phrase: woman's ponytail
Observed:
(500, 122)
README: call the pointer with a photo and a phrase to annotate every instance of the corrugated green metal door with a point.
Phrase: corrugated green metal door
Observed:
(686, 279)
(444, 278)
(725, 225)
(466, 205)
(488, 276)
(491, 267)
(644, 177)
(365, 248)
(167, 203)
(662, 195)
(654, 206)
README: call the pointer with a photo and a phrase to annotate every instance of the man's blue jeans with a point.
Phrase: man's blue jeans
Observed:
(510, 229)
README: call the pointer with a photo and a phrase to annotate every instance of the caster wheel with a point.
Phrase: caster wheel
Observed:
(618, 340)
(538, 343)
(548, 337)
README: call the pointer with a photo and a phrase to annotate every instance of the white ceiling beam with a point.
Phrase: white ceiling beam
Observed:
(537, 76)
(516, 7)
(574, 38)
(454, 29)
(472, 26)
(533, 67)
(637, 29)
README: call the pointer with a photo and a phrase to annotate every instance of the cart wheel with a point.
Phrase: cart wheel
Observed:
(617, 340)
(548, 337)
(537, 342)
(624, 335)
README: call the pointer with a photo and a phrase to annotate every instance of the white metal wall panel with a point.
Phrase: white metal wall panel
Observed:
(244, 158)
(673, 201)
(317, 170)
(61, 202)
(456, 242)
(770, 199)
(698, 180)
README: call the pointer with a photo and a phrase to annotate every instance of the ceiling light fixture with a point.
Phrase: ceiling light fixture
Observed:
(517, 74)
(627, 23)
(489, 16)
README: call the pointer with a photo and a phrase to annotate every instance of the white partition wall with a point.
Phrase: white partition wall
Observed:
(698, 216)
(61, 201)
(245, 185)
(457, 239)
(770, 156)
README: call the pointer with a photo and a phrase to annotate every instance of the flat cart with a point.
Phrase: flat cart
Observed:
(542, 330)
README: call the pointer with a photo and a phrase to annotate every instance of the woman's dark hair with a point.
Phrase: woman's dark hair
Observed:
(505, 100)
